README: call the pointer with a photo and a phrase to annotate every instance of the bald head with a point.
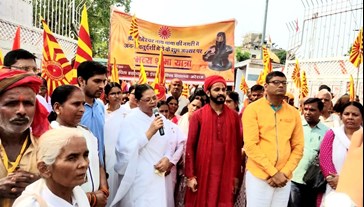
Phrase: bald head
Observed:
(325, 93)
(176, 87)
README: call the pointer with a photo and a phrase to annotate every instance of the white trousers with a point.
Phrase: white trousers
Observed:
(260, 194)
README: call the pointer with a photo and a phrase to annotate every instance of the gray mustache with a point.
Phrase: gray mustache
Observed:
(24, 119)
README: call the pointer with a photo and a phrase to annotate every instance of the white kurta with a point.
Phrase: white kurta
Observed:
(38, 194)
(136, 156)
(93, 172)
(111, 131)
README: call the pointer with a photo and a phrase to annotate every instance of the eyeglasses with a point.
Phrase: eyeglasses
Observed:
(149, 100)
(25, 68)
(163, 111)
(277, 82)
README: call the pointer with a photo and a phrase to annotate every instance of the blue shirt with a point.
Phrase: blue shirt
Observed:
(94, 119)
(313, 138)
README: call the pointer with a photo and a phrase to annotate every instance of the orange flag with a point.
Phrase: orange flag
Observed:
(261, 78)
(351, 89)
(244, 86)
(356, 54)
(159, 80)
(55, 65)
(266, 60)
(16, 43)
(84, 47)
(185, 90)
(142, 75)
(304, 85)
(296, 75)
(134, 31)
(115, 73)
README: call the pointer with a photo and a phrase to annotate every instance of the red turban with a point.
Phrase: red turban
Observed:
(17, 78)
(209, 81)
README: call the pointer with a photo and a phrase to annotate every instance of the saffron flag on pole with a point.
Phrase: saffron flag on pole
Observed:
(261, 79)
(356, 54)
(304, 85)
(266, 60)
(296, 75)
(159, 80)
(84, 47)
(16, 43)
(134, 31)
(351, 89)
(142, 75)
(54, 64)
(244, 86)
(115, 73)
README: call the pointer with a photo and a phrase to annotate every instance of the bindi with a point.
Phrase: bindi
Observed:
(21, 98)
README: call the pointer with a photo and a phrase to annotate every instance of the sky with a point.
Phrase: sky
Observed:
(249, 15)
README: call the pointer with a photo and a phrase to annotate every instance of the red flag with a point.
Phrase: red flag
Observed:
(55, 65)
(16, 43)
(84, 48)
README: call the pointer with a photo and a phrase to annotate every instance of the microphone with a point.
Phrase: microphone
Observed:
(156, 114)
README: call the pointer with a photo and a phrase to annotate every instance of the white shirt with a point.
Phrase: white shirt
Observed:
(332, 121)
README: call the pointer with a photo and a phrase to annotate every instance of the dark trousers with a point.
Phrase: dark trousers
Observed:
(301, 196)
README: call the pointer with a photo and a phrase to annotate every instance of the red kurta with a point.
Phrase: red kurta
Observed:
(213, 155)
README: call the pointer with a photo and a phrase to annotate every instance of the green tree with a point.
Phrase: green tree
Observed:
(99, 24)
(241, 55)
(282, 56)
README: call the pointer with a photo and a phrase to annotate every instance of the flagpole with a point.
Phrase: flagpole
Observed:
(264, 27)
(357, 80)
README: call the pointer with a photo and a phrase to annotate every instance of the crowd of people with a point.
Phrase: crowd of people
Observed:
(99, 144)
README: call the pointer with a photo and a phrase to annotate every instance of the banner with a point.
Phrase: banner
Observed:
(190, 53)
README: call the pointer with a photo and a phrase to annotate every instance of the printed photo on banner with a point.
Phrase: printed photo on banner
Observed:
(190, 53)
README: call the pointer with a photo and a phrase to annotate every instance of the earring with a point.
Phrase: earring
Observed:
(57, 112)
